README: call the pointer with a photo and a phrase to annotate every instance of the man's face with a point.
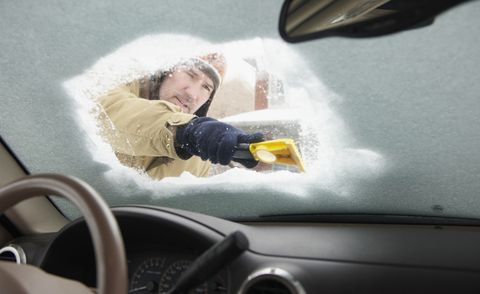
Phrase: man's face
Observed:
(188, 88)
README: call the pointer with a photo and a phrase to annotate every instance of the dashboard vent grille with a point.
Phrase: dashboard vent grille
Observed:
(271, 280)
(268, 286)
(8, 256)
(13, 253)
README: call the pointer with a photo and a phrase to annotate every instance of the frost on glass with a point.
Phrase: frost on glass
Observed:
(267, 87)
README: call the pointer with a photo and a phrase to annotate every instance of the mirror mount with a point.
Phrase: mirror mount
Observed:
(302, 20)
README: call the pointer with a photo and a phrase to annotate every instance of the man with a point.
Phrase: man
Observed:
(158, 124)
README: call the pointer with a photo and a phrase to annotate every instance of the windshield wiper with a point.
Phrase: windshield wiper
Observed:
(366, 219)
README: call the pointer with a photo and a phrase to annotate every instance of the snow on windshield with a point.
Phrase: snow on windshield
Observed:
(305, 106)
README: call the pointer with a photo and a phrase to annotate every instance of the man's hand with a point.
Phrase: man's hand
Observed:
(213, 140)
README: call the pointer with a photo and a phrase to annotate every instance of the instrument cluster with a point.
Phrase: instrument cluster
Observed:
(157, 272)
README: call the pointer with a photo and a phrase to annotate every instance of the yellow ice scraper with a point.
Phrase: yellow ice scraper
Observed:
(280, 151)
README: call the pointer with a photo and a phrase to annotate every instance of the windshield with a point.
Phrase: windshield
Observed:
(383, 126)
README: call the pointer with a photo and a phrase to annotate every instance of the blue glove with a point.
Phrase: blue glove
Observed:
(213, 140)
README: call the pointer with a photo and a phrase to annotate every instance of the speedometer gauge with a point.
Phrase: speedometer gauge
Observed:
(172, 274)
(145, 279)
(176, 269)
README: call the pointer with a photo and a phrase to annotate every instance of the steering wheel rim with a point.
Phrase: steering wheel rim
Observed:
(107, 240)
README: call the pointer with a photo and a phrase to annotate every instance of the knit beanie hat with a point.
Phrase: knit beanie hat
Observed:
(213, 65)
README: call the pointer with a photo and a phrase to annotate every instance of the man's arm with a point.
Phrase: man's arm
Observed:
(140, 127)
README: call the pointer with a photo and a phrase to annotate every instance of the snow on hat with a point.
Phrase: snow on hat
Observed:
(213, 65)
(217, 62)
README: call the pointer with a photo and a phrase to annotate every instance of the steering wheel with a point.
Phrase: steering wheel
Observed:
(107, 240)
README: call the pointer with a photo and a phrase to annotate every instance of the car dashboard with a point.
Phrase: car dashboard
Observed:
(283, 257)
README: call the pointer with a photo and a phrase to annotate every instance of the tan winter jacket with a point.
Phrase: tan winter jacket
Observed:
(142, 133)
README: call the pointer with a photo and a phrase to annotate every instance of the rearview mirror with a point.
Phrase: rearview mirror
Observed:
(302, 20)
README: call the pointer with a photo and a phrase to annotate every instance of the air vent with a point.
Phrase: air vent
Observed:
(271, 281)
(13, 253)
(268, 286)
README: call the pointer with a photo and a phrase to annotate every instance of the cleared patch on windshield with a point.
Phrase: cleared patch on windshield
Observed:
(266, 87)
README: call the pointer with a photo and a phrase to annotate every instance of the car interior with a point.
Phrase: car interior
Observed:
(149, 248)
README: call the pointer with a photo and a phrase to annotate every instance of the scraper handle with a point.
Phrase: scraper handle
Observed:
(242, 152)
